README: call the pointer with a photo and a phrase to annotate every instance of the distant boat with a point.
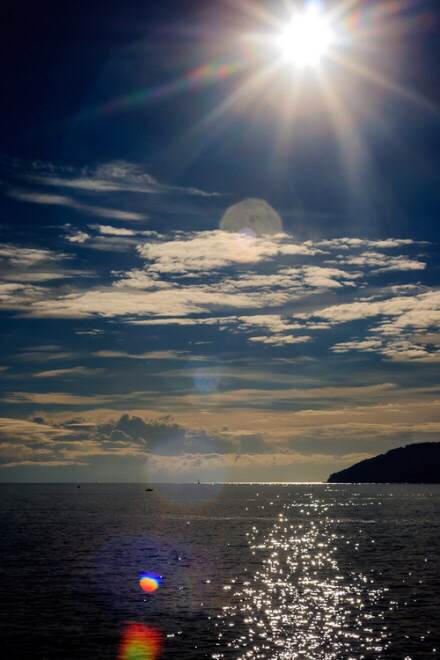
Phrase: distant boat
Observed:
(149, 490)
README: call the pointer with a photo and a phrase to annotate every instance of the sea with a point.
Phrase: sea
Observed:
(234, 571)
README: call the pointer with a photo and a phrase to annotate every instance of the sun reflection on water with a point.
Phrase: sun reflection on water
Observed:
(302, 602)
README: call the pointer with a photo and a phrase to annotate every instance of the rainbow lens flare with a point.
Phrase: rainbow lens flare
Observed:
(149, 582)
(140, 642)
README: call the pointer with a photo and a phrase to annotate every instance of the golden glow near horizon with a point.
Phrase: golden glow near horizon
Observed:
(307, 38)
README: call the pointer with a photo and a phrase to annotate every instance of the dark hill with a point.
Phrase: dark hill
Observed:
(414, 464)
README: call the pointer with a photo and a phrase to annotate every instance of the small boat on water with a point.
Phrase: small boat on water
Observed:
(149, 490)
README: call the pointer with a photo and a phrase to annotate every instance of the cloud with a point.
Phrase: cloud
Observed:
(44, 443)
(398, 350)
(17, 295)
(273, 322)
(210, 250)
(382, 263)
(347, 243)
(184, 321)
(148, 355)
(168, 300)
(165, 437)
(44, 353)
(36, 197)
(56, 399)
(16, 255)
(79, 237)
(237, 283)
(280, 340)
(115, 176)
(106, 238)
(20, 264)
(67, 373)
(142, 280)
(257, 433)
(420, 311)
(29, 431)
(113, 231)
(41, 464)
(323, 277)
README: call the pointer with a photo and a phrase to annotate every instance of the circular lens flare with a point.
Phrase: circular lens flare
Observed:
(149, 583)
(307, 38)
(140, 642)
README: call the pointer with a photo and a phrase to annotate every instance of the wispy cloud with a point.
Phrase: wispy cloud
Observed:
(16, 255)
(67, 373)
(24, 264)
(44, 353)
(36, 197)
(380, 262)
(148, 355)
(114, 176)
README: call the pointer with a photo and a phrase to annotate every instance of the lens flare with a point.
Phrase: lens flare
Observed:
(140, 642)
(149, 582)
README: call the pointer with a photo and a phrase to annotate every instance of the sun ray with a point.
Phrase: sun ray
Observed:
(191, 144)
(352, 148)
(385, 83)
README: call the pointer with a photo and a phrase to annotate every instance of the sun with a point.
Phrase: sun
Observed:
(306, 39)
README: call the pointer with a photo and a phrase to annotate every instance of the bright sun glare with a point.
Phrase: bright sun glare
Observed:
(306, 39)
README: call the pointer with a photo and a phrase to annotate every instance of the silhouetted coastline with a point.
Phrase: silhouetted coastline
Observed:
(412, 464)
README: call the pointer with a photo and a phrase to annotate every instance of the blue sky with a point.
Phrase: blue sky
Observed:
(207, 273)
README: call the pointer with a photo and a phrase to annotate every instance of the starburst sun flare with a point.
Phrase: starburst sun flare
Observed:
(307, 38)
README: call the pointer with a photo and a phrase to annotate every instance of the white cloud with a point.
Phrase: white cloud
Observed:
(78, 237)
(323, 277)
(403, 349)
(140, 279)
(420, 311)
(346, 243)
(221, 320)
(130, 301)
(280, 340)
(272, 289)
(113, 231)
(211, 250)
(381, 263)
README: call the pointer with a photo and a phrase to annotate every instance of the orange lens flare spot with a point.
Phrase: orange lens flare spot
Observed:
(140, 642)
(149, 583)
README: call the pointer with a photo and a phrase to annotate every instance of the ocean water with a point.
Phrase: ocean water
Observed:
(247, 571)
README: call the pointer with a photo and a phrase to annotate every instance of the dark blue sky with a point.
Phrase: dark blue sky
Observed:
(142, 338)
